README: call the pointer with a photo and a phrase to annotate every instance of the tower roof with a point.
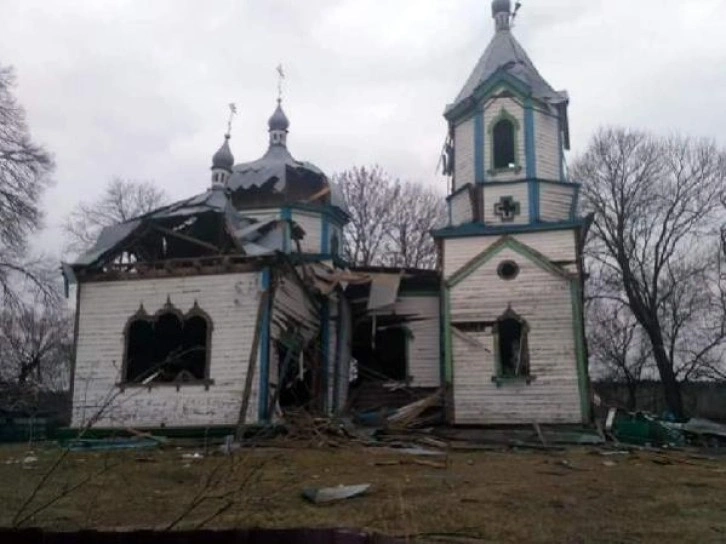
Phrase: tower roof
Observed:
(279, 120)
(223, 158)
(505, 53)
(277, 178)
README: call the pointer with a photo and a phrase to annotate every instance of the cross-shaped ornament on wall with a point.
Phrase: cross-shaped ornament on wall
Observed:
(507, 208)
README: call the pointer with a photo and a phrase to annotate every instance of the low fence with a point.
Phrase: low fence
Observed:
(706, 399)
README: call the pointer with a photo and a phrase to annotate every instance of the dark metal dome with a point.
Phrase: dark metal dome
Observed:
(501, 6)
(223, 158)
(279, 120)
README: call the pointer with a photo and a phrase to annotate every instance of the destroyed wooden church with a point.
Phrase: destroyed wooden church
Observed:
(237, 305)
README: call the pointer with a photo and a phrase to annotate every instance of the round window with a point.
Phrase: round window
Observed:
(508, 270)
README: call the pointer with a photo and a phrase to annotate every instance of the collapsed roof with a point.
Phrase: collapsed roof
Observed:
(204, 225)
(278, 179)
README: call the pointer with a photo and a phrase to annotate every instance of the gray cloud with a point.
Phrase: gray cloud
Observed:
(139, 89)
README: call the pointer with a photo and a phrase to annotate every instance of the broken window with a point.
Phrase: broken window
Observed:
(168, 348)
(504, 144)
(512, 347)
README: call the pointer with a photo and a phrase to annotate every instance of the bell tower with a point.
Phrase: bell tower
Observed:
(511, 253)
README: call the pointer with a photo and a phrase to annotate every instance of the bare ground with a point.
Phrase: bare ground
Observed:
(573, 496)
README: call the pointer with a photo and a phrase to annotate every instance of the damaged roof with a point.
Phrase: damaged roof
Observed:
(252, 236)
(277, 178)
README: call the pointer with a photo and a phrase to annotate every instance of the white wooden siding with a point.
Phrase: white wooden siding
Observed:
(544, 301)
(493, 193)
(491, 113)
(262, 214)
(555, 201)
(424, 347)
(230, 300)
(461, 212)
(312, 224)
(464, 154)
(547, 142)
(555, 245)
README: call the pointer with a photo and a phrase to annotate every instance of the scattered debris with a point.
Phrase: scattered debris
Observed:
(642, 429)
(410, 415)
(327, 495)
(421, 452)
(194, 456)
(705, 430)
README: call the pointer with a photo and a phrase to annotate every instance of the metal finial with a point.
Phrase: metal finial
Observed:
(280, 80)
(232, 113)
(517, 7)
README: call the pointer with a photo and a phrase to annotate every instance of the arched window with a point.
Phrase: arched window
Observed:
(139, 348)
(167, 348)
(512, 346)
(504, 144)
(195, 346)
(168, 335)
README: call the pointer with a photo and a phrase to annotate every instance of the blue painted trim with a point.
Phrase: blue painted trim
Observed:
(455, 112)
(530, 149)
(325, 349)
(479, 229)
(265, 350)
(479, 173)
(527, 180)
(534, 200)
(325, 236)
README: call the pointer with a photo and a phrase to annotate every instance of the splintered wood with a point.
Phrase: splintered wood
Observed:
(411, 414)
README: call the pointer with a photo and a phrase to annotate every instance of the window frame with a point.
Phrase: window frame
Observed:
(499, 377)
(168, 308)
(504, 115)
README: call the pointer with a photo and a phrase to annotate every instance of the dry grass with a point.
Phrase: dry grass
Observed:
(493, 497)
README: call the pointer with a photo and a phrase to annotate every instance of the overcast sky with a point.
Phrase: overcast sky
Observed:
(139, 88)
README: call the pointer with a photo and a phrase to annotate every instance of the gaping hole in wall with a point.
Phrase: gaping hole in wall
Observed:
(513, 349)
(167, 349)
(381, 349)
(504, 150)
(295, 380)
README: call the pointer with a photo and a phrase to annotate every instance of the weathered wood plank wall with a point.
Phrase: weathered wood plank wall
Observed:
(231, 302)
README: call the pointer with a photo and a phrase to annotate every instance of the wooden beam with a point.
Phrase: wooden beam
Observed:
(187, 238)
(251, 365)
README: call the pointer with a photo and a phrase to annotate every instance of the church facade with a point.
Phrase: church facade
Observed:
(512, 252)
(236, 306)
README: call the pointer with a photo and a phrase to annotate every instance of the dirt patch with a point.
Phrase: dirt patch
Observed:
(572, 496)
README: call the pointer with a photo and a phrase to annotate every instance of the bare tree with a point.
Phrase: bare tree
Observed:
(368, 195)
(655, 202)
(390, 220)
(36, 341)
(122, 200)
(619, 351)
(24, 174)
(413, 215)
